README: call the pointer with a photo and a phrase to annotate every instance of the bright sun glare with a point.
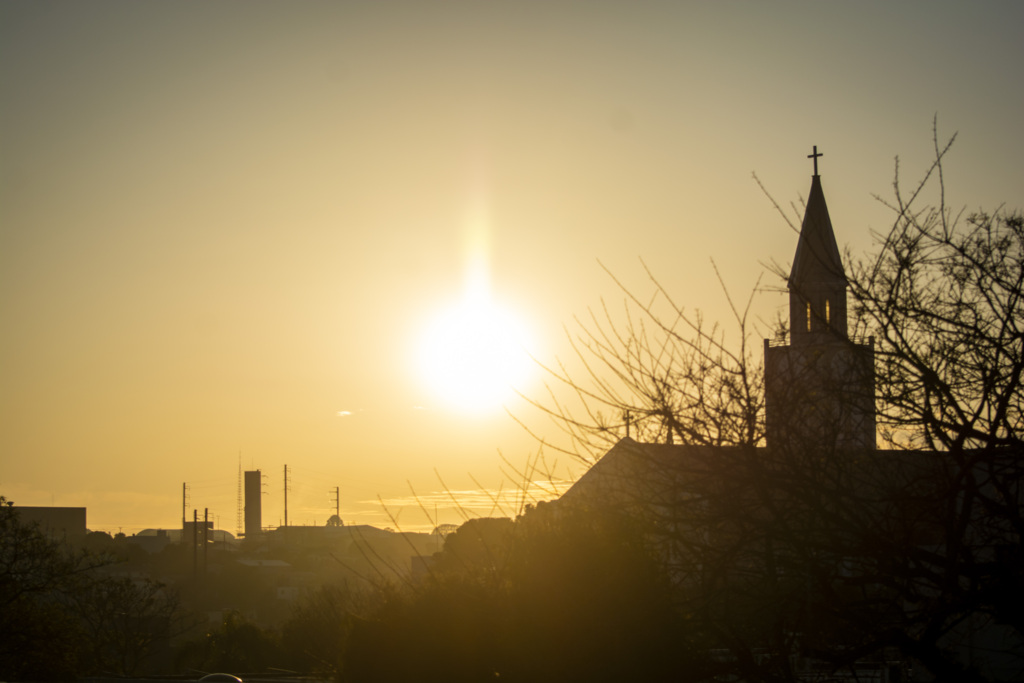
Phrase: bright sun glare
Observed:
(474, 355)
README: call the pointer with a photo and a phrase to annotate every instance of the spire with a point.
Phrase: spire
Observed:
(817, 282)
(819, 389)
(817, 259)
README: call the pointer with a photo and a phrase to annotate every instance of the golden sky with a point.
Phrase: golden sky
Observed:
(227, 228)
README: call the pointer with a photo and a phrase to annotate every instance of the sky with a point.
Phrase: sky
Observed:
(259, 234)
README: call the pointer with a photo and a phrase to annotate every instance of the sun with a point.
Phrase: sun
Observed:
(474, 355)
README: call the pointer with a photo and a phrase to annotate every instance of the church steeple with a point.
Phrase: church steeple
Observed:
(817, 282)
(819, 389)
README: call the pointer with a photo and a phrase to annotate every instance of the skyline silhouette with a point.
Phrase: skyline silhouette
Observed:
(225, 231)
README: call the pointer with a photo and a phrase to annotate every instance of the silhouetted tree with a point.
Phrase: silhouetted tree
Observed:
(944, 300)
(236, 644)
(838, 556)
(39, 639)
(659, 373)
(124, 621)
(315, 636)
(590, 600)
(479, 545)
(62, 615)
(567, 596)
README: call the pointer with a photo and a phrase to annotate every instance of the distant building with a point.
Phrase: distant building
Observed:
(58, 523)
(154, 540)
(253, 504)
(151, 540)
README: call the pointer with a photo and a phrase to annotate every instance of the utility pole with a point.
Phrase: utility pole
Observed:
(184, 504)
(195, 543)
(206, 537)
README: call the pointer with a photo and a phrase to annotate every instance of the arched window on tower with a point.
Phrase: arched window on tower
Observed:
(808, 316)
(828, 314)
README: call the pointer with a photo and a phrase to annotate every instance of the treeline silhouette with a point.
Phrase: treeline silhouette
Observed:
(61, 616)
(545, 597)
(550, 597)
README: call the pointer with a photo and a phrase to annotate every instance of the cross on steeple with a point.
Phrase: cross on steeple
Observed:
(815, 156)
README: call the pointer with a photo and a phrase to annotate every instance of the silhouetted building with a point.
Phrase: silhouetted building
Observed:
(58, 523)
(253, 503)
(819, 403)
(819, 389)
(153, 540)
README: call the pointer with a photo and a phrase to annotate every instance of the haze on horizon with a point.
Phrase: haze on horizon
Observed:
(226, 229)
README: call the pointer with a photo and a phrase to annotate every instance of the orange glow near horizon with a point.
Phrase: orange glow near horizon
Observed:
(335, 235)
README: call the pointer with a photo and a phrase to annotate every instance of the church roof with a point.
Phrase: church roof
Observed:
(817, 257)
(651, 474)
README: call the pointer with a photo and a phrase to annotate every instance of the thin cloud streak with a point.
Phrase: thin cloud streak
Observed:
(482, 501)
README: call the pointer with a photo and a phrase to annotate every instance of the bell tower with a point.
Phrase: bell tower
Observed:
(819, 389)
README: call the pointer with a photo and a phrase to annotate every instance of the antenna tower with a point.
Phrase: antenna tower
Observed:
(184, 504)
(239, 507)
(286, 496)
(336, 519)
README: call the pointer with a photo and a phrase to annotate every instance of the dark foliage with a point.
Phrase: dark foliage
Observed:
(315, 636)
(236, 644)
(62, 616)
(565, 597)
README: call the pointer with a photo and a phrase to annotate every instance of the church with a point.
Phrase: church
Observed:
(819, 382)
(816, 553)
